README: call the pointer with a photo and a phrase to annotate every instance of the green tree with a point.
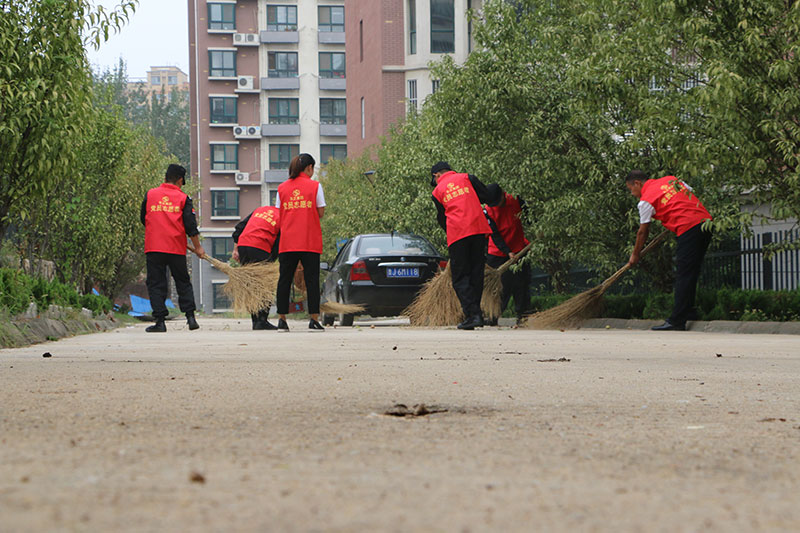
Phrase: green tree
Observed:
(44, 93)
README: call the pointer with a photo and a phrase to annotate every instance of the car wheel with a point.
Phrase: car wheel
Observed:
(346, 320)
(327, 319)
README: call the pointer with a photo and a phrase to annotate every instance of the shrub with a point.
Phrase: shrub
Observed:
(18, 290)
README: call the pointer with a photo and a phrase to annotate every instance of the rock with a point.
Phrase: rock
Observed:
(32, 311)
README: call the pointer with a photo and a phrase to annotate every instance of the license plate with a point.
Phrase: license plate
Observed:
(395, 272)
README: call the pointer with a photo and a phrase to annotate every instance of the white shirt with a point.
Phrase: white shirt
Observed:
(646, 209)
(320, 198)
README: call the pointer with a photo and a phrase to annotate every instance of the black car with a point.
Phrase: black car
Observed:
(382, 271)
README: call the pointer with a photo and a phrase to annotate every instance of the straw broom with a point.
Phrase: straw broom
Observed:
(251, 287)
(584, 305)
(436, 304)
(332, 308)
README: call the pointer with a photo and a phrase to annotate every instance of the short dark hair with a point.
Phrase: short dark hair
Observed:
(440, 166)
(636, 175)
(174, 173)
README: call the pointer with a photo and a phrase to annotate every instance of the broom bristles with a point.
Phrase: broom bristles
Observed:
(336, 308)
(437, 304)
(251, 287)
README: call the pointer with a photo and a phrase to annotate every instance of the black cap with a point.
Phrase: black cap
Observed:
(438, 167)
(496, 195)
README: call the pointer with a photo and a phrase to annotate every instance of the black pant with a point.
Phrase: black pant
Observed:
(692, 246)
(467, 263)
(289, 262)
(516, 283)
(157, 282)
(250, 254)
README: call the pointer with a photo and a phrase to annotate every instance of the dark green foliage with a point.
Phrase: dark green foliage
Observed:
(18, 290)
(722, 304)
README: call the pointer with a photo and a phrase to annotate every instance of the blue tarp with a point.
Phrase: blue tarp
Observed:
(141, 306)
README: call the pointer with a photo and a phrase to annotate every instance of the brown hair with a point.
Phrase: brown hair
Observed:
(299, 164)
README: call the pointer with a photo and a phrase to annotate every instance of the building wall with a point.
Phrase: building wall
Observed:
(383, 75)
(252, 110)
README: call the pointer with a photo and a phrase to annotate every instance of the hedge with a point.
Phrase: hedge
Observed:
(18, 290)
(721, 304)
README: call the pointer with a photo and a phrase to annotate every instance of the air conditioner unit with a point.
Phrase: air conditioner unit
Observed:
(247, 132)
(245, 83)
(245, 39)
(242, 177)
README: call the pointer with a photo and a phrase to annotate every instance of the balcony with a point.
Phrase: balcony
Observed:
(333, 130)
(276, 84)
(280, 130)
(275, 176)
(333, 84)
(331, 37)
(279, 37)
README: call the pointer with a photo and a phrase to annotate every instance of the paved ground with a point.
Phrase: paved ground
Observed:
(635, 431)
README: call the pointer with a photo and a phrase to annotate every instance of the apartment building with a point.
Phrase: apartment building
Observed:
(390, 44)
(267, 83)
(160, 82)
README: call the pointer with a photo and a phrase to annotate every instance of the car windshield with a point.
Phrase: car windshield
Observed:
(394, 244)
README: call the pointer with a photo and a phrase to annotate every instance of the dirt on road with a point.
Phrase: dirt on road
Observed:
(227, 429)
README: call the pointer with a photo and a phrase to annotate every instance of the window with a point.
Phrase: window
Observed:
(284, 111)
(221, 16)
(224, 156)
(273, 197)
(434, 86)
(172, 80)
(469, 27)
(222, 248)
(282, 65)
(363, 122)
(223, 110)
(412, 27)
(331, 65)
(394, 244)
(332, 151)
(412, 96)
(442, 26)
(222, 63)
(331, 18)
(332, 111)
(280, 155)
(224, 203)
(281, 18)
(155, 80)
(361, 40)
(221, 300)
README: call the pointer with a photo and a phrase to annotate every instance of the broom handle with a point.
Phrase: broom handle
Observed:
(647, 249)
(505, 266)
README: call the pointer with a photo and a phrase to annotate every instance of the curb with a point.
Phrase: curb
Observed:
(714, 326)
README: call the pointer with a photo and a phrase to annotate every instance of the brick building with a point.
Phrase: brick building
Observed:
(389, 46)
(267, 83)
(160, 82)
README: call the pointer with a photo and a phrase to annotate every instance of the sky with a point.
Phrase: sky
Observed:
(156, 35)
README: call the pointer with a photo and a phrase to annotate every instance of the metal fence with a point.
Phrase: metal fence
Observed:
(780, 271)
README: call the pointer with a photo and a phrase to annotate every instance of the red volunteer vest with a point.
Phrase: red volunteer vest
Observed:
(678, 210)
(262, 228)
(300, 227)
(163, 222)
(461, 207)
(509, 224)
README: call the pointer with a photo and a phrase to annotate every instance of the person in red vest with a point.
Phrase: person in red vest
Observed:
(458, 199)
(671, 201)
(507, 239)
(302, 205)
(168, 217)
(256, 239)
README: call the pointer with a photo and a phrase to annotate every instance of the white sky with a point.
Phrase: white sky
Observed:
(156, 35)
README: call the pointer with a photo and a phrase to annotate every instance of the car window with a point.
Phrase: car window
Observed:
(343, 253)
(394, 244)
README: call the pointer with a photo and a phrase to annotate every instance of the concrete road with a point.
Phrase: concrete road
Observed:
(226, 429)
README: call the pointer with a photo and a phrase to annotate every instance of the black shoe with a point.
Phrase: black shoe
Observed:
(159, 327)
(264, 325)
(282, 325)
(192, 322)
(669, 326)
(314, 325)
(475, 321)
